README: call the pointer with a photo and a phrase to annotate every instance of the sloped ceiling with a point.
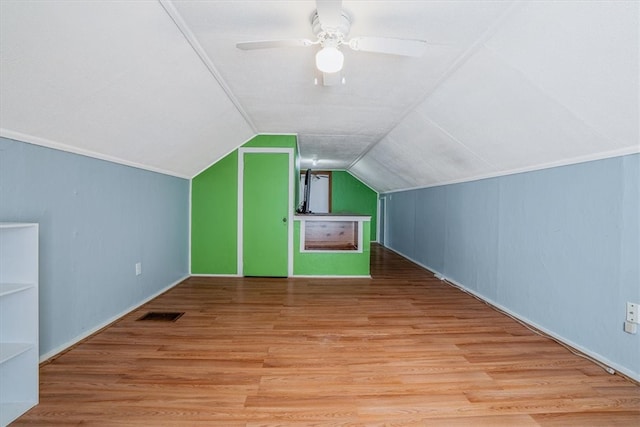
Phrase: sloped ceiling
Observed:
(503, 87)
(553, 83)
(113, 79)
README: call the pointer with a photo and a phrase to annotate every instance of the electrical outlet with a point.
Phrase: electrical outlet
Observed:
(138, 268)
(632, 312)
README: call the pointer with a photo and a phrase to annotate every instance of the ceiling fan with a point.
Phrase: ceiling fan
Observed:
(331, 25)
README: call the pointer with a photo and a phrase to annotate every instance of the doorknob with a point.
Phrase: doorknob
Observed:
(284, 219)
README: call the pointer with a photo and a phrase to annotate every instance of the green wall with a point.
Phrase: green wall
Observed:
(331, 264)
(214, 223)
(275, 141)
(281, 141)
(214, 210)
(350, 195)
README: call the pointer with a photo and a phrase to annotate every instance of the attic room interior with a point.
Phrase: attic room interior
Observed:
(475, 261)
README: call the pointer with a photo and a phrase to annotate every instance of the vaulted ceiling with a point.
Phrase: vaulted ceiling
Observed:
(503, 86)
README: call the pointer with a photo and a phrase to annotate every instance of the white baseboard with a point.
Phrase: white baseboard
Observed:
(107, 322)
(311, 276)
(325, 276)
(607, 364)
(216, 275)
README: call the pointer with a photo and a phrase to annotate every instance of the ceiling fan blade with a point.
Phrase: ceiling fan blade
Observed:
(392, 46)
(269, 44)
(329, 13)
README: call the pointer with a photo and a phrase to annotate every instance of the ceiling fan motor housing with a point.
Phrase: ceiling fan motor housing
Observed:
(325, 32)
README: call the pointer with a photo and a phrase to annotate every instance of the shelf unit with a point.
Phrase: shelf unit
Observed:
(18, 319)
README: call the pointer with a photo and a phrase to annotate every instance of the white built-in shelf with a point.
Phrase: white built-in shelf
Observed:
(18, 319)
(9, 409)
(16, 224)
(10, 288)
(9, 350)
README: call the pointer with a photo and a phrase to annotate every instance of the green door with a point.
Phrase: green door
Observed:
(265, 226)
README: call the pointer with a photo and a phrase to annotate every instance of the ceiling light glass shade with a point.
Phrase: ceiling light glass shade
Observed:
(329, 60)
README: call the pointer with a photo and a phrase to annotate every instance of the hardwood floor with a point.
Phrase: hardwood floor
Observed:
(401, 349)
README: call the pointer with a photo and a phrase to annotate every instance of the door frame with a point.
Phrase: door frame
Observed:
(382, 220)
(275, 150)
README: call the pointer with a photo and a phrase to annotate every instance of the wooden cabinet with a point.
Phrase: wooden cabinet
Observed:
(18, 319)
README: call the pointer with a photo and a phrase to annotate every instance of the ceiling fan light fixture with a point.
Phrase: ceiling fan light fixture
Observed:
(329, 59)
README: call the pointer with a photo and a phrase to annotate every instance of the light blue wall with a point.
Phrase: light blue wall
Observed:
(559, 248)
(97, 219)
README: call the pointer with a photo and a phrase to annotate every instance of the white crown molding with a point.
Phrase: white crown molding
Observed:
(565, 162)
(43, 142)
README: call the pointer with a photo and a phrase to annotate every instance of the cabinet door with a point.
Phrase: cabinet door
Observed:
(266, 214)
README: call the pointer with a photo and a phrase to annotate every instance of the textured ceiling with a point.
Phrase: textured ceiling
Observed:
(503, 86)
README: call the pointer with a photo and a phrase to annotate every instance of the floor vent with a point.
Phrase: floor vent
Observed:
(162, 316)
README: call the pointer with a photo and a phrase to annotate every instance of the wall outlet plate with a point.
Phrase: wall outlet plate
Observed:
(138, 268)
(632, 312)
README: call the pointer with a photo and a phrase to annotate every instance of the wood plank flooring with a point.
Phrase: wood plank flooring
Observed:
(401, 349)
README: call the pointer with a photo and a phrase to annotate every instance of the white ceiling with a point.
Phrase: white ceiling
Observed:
(503, 87)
